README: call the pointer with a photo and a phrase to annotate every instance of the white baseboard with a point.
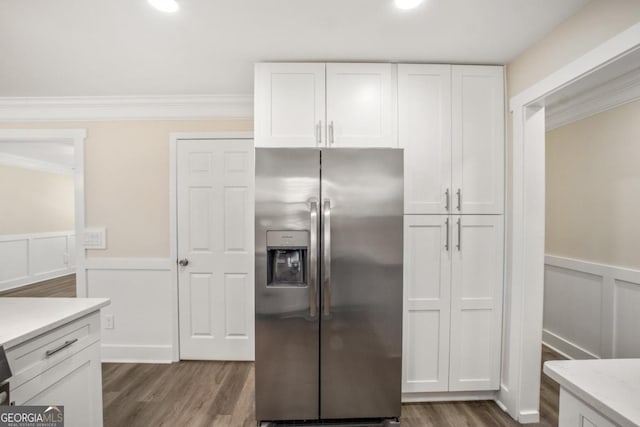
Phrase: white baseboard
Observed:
(137, 353)
(448, 396)
(529, 417)
(564, 347)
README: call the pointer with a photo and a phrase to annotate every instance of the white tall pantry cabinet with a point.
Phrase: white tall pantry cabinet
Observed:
(451, 126)
(450, 121)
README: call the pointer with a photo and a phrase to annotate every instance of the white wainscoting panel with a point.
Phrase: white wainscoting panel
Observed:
(591, 310)
(142, 298)
(30, 258)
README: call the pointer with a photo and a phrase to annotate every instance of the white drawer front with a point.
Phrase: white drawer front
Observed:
(35, 356)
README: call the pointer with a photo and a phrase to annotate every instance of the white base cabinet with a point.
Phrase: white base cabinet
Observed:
(61, 367)
(576, 413)
(452, 302)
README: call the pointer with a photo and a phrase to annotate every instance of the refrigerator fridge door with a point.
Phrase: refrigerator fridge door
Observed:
(361, 283)
(287, 320)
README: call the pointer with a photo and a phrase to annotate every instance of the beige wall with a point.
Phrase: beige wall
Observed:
(597, 22)
(593, 188)
(127, 179)
(35, 201)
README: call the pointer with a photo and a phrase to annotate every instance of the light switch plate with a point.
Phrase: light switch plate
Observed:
(95, 238)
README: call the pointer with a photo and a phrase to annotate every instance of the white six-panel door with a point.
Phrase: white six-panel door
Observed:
(424, 120)
(476, 302)
(215, 193)
(427, 280)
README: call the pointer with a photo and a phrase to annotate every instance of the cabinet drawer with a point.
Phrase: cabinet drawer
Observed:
(35, 356)
(74, 383)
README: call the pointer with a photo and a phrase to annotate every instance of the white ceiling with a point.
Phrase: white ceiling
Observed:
(123, 47)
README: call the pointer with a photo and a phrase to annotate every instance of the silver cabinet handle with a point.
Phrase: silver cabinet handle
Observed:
(446, 242)
(459, 245)
(61, 347)
(313, 259)
(183, 262)
(446, 195)
(319, 132)
(326, 258)
(459, 194)
(331, 140)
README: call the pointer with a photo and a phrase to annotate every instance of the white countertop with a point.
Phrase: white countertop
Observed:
(24, 318)
(610, 386)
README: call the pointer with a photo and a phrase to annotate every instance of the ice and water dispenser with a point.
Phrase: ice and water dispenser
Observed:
(287, 253)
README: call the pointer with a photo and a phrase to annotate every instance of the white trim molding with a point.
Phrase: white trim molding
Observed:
(611, 94)
(110, 108)
(520, 392)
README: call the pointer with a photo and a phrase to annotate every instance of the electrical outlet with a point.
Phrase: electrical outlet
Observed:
(108, 321)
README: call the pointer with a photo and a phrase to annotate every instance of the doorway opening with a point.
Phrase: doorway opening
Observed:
(42, 188)
(598, 71)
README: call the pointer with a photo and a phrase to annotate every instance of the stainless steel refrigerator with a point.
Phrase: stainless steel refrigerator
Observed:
(328, 284)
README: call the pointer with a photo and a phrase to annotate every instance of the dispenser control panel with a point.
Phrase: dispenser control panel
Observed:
(287, 252)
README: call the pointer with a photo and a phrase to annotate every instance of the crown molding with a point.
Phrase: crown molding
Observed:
(112, 108)
(617, 92)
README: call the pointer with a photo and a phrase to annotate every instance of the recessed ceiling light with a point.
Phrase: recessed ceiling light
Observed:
(168, 6)
(407, 4)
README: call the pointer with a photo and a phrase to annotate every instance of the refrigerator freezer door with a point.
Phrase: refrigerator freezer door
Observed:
(361, 326)
(287, 320)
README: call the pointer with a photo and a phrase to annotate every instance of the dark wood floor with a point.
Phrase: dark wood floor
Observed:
(64, 286)
(191, 393)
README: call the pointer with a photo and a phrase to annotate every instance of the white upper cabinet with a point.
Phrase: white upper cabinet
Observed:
(478, 139)
(424, 121)
(360, 105)
(298, 105)
(289, 105)
(451, 125)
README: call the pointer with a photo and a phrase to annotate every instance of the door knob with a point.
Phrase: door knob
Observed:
(183, 262)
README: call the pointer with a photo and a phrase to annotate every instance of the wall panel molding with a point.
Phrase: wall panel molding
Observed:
(113, 108)
(591, 309)
(142, 297)
(33, 257)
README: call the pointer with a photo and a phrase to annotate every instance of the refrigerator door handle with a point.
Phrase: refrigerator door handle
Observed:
(326, 257)
(313, 259)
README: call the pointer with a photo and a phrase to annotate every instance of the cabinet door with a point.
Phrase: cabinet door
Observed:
(476, 302)
(289, 104)
(424, 114)
(427, 274)
(75, 383)
(360, 101)
(478, 139)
